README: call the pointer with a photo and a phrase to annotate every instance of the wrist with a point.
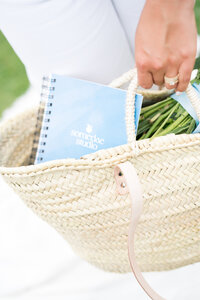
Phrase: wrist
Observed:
(170, 10)
(179, 4)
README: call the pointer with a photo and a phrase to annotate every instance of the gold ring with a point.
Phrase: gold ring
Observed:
(172, 80)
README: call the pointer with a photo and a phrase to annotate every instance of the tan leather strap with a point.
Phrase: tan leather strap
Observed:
(128, 182)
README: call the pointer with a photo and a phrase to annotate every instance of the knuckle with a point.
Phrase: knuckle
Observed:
(186, 53)
(157, 64)
(172, 60)
(142, 65)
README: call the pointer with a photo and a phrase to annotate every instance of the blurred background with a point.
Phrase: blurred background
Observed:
(13, 78)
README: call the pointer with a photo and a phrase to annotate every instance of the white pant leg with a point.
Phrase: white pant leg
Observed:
(79, 38)
(129, 12)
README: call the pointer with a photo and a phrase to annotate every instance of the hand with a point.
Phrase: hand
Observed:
(166, 42)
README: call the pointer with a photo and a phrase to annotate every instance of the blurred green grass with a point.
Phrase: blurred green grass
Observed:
(197, 12)
(13, 79)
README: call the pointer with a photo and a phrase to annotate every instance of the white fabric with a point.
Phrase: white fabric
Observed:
(89, 39)
(94, 40)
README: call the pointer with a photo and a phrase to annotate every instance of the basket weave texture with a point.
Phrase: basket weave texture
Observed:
(78, 197)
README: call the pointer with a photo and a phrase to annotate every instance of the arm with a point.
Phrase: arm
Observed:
(165, 42)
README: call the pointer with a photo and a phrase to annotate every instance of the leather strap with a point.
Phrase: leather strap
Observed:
(128, 182)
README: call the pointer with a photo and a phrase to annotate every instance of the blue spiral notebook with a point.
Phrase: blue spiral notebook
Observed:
(81, 117)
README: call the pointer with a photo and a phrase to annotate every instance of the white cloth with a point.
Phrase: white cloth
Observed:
(89, 39)
(94, 40)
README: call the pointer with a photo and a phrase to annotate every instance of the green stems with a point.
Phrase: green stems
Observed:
(162, 118)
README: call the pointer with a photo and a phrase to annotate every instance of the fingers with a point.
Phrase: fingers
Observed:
(154, 71)
(184, 76)
(145, 79)
(149, 74)
(158, 77)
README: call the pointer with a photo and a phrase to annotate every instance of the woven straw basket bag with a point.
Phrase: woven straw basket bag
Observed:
(134, 202)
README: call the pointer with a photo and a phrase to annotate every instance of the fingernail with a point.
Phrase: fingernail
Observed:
(178, 93)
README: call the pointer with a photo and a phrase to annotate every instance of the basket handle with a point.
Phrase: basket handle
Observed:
(127, 181)
(130, 103)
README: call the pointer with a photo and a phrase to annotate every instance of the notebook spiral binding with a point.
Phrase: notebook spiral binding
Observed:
(46, 98)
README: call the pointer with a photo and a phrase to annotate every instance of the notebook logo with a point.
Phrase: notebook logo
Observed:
(89, 128)
(86, 139)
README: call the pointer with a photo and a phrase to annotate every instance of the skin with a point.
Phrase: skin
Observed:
(166, 43)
